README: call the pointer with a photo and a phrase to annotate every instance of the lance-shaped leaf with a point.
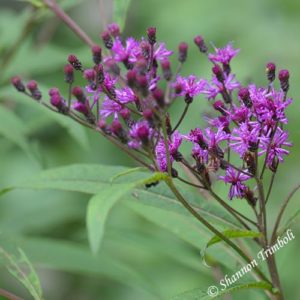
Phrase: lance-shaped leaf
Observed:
(120, 8)
(98, 209)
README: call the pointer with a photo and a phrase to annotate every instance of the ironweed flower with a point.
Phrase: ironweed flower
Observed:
(128, 93)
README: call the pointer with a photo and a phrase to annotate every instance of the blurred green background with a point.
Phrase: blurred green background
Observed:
(264, 30)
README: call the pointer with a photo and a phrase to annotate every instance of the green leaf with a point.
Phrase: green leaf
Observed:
(12, 128)
(230, 234)
(120, 8)
(78, 259)
(233, 234)
(199, 294)
(21, 268)
(98, 209)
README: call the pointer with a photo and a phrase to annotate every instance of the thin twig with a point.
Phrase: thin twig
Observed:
(182, 117)
(69, 21)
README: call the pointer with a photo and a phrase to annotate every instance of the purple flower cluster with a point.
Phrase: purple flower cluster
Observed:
(129, 90)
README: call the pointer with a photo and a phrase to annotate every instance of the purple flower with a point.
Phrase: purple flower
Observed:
(190, 86)
(275, 148)
(214, 138)
(126, 53)
(223, 55)
(212, 90)
(244, 138)
(161, 53)
(109, 107)
(160, 150)
(200, 154)
(125, 95)
(236, 179)
(240, 114)
(139, 132)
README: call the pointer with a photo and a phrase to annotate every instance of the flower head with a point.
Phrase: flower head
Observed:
(236, 179)
(223, 55)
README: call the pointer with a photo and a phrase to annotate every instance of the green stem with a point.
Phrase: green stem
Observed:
(213, 229)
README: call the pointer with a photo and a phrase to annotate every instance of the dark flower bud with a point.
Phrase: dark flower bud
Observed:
(33, 88)
(143, 134)
(116, 126)
(102, 124)
(78, 93)
(244, 95)
(177, 156)
(143, 84)
(89, 74)
(188, 99)
(283, 77)
(74, 61)
(114, 29)
(53, 91)
(18, 84)
(56, 100)
(217, 70)
(178, 88)
(148, 114)
(166, 68)
(145, 49)
(270, 71)
(131, 78)
(141, 66)
(220, 106)
(107, 40)
(182, 52)
(117, 129)
(199, 41)
(97, 54)
(69, 73)
(151, 32)
(159, 97)
(125, 113)
(99, 74)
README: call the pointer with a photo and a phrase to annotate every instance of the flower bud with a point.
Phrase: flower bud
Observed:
(244, 95)
(148, 114)
(89, 74)
(220, 107)
(18, 84)
(33, 88)
(69, 73)
(217, 70)
(143, 84)
(74, 61)
(182, 52)
(143, 134)
(114, 29)
(107, 40)
(283, 77)
(99, 74)
(166, 68)
(270, 71)
(199, 41)
(97, 54)
(159, 97)
(131, 78)
(145, 46)
(151, 32)
(78, 93)
(53, 91)
(125, 113)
